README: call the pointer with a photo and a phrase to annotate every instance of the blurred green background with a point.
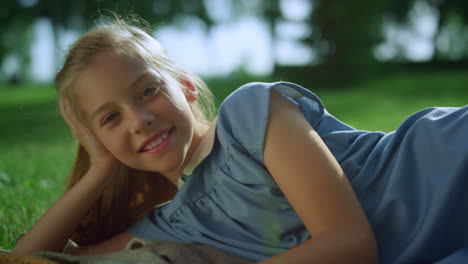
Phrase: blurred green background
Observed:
(372, 63)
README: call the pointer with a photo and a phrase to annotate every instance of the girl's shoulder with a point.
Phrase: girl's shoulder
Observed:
(249, 103)
(244, 114)
(261, 90)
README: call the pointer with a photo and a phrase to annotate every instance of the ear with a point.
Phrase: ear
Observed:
(190, 90)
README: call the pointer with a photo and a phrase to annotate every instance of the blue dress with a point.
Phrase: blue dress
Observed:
(411, 183)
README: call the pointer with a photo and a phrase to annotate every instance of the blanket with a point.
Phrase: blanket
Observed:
(155, 252)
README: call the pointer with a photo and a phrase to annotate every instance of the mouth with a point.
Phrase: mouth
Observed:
(157, 142)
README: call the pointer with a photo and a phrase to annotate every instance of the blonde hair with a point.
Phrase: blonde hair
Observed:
(133, 193)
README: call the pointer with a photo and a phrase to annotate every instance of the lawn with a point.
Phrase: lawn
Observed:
(37, 150)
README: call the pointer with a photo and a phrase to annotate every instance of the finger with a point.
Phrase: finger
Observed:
(65, 110)
(71, 119)
(69, 115)
(62, 107)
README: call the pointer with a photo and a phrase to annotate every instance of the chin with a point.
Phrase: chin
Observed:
(167, 166)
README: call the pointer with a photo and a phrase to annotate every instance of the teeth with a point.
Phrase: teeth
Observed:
(156, 142)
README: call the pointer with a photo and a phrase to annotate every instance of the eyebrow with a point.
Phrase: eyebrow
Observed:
(142, 77)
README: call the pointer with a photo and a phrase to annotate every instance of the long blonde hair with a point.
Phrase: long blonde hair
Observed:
(133, 193)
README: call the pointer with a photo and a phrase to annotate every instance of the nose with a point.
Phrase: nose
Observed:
(140, 119)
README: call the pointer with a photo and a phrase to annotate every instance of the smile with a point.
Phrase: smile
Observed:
(157, 143)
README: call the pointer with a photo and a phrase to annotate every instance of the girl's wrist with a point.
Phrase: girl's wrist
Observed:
(103, 166)
(103, 173)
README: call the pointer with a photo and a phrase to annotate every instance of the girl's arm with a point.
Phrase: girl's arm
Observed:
(315, 185)
(55, 227)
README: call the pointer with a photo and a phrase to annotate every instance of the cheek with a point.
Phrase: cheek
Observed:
(176, 98)
(110, 143)
(120, 151)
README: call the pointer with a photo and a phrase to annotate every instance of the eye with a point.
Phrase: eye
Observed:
(149, 91)
(110, 118)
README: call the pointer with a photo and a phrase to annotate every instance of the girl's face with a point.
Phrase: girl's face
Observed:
(145, 121)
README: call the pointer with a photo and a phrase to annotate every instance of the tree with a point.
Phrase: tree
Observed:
(16, 35)
(346, 34)
(450, 38)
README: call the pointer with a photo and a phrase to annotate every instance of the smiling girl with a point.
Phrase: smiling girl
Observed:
(274, 178)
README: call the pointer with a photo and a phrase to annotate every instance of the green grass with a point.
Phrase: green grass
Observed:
(35, 157)
(37, 150)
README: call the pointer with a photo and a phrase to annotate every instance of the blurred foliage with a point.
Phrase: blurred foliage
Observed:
(343, 34)
(450, 14)
(346, 33)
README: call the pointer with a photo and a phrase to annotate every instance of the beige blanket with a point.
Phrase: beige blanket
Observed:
(158, 252)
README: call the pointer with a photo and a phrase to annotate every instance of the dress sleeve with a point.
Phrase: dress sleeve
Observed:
(244, 114)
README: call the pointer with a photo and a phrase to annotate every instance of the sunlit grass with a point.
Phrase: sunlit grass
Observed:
(32, 177)
(37, 150)
(35, 157)
(382, 104)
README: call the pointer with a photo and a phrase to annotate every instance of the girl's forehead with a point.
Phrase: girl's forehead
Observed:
(109, 65)
(112, 60)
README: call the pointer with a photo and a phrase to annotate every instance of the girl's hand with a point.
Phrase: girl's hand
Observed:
(56, 226)
(98, 154)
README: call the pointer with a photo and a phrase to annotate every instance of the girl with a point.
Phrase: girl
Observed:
(274, 178)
